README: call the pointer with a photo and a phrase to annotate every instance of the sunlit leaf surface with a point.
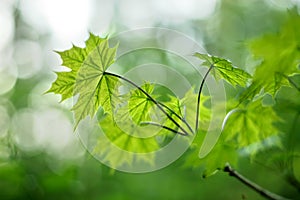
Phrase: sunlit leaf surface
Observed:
(223, 69)
(72, 59)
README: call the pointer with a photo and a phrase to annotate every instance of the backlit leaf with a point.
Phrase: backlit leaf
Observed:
(72, 59)
(223, 69)
(94, 87)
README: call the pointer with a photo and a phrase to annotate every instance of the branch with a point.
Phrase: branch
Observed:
(150, 98)
(262, 191)
(199, 95)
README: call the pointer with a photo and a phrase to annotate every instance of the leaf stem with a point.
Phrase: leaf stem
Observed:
(199, 96)
(262, 191)
(163, 126)
(151, 98)
(179, 117)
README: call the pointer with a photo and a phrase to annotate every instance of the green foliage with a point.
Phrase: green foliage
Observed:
(245, 127)
(127, 117)
(97, 88)
(285, 159)
(279, 56)
(223, 69)
(35, 167)
(248, 124)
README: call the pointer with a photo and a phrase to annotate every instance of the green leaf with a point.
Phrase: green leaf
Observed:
(223, 69)
(250, 124)
(124, 148)
(279, 54)
(95, 88)
(72, 59)
(64, 84)
(140, 106)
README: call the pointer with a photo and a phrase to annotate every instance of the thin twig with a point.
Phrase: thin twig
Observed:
(162, 126)
(262, 191)
(150, 98)
(199, 95)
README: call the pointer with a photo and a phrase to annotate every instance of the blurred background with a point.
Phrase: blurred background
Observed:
(41, 157)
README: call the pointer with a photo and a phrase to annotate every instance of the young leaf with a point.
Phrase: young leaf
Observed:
(72, 59)
(94, 87)
(279, 54)
(223, 69)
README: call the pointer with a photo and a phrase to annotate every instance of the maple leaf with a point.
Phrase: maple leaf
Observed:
(223, 69)
(72, 59)
(95, 88)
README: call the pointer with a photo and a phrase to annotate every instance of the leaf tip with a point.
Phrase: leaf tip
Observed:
(91, 34)
(198, 55)
(57, 52)
(48, 91)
